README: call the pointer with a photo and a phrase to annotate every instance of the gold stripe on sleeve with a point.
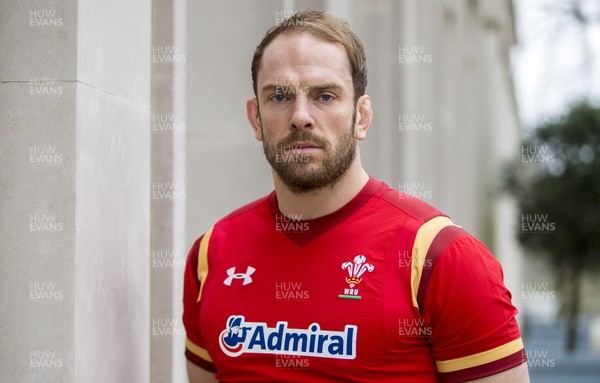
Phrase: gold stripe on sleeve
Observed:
(425, 236)
(197, 350)
(481, 358)
(203, 260)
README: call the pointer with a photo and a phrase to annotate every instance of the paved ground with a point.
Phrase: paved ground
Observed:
(550, 363)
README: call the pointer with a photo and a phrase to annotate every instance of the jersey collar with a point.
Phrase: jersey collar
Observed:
(319, 226)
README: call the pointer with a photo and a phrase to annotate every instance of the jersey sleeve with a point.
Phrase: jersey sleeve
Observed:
(474, 332)
(195, 350)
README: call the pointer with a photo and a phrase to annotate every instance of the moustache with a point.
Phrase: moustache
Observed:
(303, 137)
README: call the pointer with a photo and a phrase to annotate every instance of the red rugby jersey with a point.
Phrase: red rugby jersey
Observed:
(384, 289)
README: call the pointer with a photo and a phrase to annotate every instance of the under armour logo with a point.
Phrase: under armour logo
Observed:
(233, 275)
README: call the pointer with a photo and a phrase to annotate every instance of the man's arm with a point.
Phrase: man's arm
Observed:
(200, 375)
(474, 330)
(517, 374)
(191, 290)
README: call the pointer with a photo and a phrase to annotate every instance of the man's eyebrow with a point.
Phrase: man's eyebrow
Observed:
(270, 87)
(321, 87)
(328, 86)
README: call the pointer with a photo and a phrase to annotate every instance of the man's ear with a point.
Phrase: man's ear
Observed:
(253, 115)
(364, 116)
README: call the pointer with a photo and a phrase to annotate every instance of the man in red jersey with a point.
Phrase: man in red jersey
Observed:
(335, 277)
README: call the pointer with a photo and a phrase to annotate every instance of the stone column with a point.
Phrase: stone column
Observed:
(169, 249)
(112, 178)
(75, 178)
(37, 182)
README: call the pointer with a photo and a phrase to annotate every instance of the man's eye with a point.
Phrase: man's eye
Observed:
(326, 97)
(278, 97)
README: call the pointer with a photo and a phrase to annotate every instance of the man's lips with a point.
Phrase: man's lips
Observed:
(303, 145)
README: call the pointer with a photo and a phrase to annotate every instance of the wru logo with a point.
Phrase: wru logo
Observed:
(357, 269)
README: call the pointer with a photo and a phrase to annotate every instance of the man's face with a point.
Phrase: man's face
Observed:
(305, 102)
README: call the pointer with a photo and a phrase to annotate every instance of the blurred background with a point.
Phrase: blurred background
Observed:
(123, 138)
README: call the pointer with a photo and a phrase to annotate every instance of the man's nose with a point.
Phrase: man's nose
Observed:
(301, 115)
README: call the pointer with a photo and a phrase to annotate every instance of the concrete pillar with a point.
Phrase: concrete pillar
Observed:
(37, 183)
(74, 222)
(169, 249)
(113, 204)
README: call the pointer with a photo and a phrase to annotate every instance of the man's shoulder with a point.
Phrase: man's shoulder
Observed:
(249, 214)
(250, 211)
(408, 204)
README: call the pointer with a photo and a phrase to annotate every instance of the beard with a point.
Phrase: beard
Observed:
(299, 172)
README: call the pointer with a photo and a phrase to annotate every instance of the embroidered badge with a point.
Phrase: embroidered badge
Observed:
(355, 271)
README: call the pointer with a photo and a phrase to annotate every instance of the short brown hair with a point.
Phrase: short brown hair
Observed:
(326, 27)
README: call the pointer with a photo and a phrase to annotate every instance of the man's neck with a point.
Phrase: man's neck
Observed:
(324, 201)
